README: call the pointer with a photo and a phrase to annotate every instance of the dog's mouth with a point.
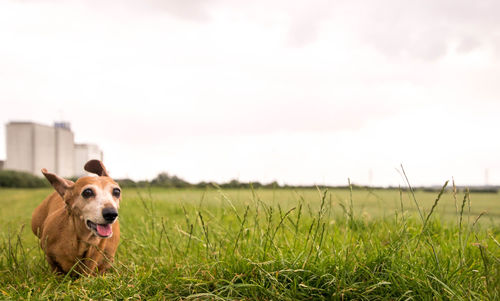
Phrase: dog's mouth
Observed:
(101, 230)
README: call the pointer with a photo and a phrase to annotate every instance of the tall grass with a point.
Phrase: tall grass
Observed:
(274, 245)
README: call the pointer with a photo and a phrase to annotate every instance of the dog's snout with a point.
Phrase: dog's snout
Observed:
(109, 214)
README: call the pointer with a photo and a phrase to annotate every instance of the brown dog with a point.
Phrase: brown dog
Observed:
(77, 225)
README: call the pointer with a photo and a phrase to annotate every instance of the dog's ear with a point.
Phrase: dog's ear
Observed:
(59, 184)
(96, 166)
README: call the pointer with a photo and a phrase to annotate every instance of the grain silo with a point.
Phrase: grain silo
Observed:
(32, 146)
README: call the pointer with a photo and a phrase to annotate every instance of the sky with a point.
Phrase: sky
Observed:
(299, 92)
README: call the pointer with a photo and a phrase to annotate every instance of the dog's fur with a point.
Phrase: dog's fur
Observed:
(61, 222)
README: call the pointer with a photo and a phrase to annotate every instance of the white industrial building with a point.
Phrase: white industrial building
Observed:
(32, 146)
(84, 153)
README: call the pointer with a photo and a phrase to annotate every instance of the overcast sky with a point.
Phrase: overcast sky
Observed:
(300, 92)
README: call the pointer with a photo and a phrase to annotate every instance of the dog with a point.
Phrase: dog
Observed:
(78, 224)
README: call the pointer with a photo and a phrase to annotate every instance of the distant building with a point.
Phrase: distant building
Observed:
(32, 146)
(84, 153)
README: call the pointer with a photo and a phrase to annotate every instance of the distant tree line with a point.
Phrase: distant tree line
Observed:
(10, 178)
(19, 179)
(171, 181)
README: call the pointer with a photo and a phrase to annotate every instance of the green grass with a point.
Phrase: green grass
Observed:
(273, 245)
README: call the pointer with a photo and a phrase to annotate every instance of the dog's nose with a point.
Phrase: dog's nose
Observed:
(109, 214)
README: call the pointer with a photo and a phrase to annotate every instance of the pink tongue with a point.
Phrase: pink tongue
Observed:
(104, 230)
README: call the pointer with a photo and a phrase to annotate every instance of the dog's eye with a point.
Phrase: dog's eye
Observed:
(116, 192)
(87, 193)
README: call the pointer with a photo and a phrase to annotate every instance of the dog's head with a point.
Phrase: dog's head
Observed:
(95, 200)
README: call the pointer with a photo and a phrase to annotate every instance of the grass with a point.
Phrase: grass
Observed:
(278, 244)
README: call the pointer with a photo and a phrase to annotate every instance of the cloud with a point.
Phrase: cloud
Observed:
(426, 29)
(306, 19)
(468, 44)
(169, 121)
(194, 10)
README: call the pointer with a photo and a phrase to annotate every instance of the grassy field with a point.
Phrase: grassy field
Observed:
(273, 245)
